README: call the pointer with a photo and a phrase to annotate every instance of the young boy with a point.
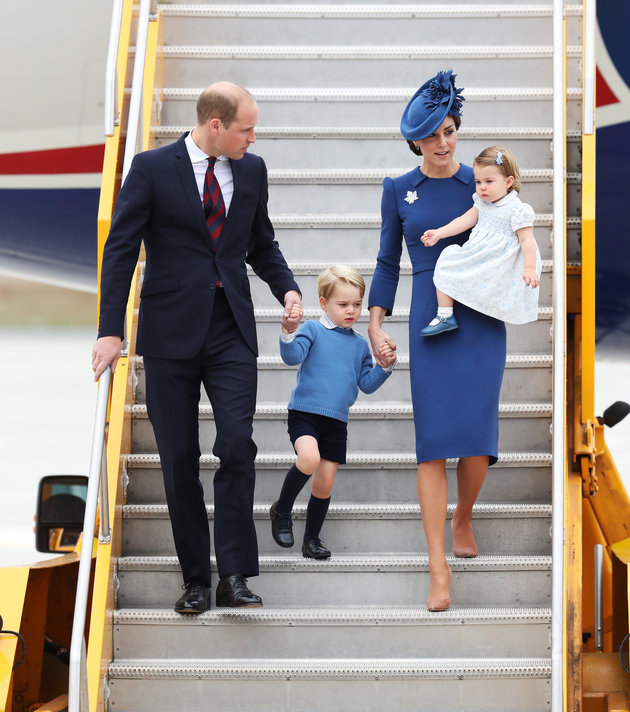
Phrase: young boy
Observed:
(335, 363)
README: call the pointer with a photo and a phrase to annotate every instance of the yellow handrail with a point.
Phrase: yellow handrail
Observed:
(113, 153)
(580, 384)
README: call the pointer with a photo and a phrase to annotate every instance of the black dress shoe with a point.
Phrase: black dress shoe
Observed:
(281, 527)
(312, 548)
(196, 599)
(232, 592)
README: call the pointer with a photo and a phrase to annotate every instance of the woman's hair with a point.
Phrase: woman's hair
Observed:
(330, 277)
(457, 120)
(504, 160)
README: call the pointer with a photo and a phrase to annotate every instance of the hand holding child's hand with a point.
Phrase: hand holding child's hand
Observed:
(530, 277)
(429, 238)
(388, 352)
(290, 323)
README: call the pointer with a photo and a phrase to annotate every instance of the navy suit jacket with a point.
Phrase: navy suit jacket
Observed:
(159, 204)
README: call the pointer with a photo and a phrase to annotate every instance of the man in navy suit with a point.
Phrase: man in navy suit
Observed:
(196, 325)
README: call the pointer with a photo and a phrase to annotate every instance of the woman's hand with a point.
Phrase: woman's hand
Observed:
(388, 352)
(379, 339)
(530, 277)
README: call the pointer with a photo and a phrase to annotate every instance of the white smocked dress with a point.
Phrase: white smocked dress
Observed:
(486, 272)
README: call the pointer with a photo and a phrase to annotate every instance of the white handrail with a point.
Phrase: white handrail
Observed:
(112, 112)
(135, 102)
(77, 692)
(588, 98)
(559, 352)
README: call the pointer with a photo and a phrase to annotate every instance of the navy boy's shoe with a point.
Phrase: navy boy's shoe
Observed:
(281, 527)
(444, 324)
(312, 548)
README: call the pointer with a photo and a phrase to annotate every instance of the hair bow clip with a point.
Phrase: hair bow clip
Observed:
(499, 161)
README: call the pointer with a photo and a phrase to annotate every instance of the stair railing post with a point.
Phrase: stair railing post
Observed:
(598, 597)
(77, 692)
(104, 529)
(112, 111)
(135, 101)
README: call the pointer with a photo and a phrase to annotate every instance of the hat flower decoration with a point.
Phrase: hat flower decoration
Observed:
(430, 105)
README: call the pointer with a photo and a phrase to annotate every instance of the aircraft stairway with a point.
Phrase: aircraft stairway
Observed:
(353, 633)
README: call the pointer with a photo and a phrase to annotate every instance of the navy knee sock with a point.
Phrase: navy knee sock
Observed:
(293, 483)
(315, 515)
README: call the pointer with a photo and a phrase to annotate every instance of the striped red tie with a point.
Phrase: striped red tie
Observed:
(213, 204)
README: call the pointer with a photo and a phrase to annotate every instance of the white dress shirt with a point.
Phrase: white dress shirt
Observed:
(222, 171)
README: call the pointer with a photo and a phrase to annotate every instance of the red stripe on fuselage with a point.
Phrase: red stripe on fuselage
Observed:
(53, 161)
(605, 95)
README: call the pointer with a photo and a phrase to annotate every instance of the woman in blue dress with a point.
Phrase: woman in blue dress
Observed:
(456, 379)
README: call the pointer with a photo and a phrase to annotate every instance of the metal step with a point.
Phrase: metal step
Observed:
(360, 528)
(530, 338)
(354, 632)
(373, 147)
(306, 277)
(307, 236)
(375, 176)
(360, 580)
(361, 23)
(306, 190)
(335, 685)
(366, 477)
(241, 3)
(366, 65)
(525, 425)
(380, 106)
(527, 378)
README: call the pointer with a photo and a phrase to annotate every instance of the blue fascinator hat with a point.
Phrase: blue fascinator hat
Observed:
(430, 105)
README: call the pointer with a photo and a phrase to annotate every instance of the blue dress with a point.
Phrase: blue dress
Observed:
(456, 376)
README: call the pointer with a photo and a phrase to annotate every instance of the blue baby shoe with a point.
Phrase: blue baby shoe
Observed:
(448, 324)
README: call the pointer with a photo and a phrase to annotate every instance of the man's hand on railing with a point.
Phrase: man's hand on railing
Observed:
(106, 352)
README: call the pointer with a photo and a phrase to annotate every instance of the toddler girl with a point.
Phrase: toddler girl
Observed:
(497, 271)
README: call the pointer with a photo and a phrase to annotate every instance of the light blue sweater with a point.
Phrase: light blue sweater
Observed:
(334, 364)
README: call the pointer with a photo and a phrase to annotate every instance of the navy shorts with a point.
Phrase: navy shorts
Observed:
(331, 434)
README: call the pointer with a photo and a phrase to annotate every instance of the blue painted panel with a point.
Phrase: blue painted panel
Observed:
(52, 229)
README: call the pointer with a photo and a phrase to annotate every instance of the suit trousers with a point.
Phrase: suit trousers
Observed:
(227, 368)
